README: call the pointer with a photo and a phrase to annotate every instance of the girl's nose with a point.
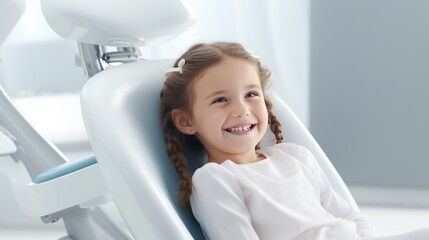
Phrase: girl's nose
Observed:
(240, 111)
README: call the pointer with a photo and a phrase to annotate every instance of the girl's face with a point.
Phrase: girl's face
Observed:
(229, 115)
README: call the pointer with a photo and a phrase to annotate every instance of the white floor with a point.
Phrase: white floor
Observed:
(397, 220)
(388, 221)
(30, 233)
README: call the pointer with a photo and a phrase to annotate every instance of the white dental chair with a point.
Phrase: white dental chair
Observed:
(125, 132)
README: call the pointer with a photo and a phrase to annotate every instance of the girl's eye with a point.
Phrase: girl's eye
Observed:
(219, 100)
(251, 94)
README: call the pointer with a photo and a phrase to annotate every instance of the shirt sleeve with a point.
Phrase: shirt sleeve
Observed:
(218, 204)
(335, 204)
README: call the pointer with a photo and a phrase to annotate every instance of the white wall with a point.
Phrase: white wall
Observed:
(369, 95)
(36, 61)
(276, 30)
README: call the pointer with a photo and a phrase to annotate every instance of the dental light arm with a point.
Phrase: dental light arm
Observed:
(6, 145)
(124, 24)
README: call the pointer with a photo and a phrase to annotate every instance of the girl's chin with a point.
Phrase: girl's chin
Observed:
(242, 148)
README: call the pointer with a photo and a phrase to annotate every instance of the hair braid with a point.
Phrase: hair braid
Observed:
(174, 146)
(275, 125)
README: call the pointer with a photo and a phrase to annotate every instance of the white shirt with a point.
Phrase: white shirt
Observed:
(285, 196)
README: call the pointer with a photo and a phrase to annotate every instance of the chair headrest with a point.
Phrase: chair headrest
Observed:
(118, 22)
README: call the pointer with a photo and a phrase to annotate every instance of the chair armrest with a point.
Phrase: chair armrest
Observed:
(65, 168)
(75, 188)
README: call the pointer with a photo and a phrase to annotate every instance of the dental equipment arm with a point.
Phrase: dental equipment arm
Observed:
(6, 145)
(128, 24)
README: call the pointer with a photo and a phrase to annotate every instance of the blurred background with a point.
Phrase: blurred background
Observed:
(354, 71)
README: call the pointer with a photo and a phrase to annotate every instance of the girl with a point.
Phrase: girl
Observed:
(215, 97)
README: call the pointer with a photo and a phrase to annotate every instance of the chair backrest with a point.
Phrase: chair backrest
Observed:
(121, 112)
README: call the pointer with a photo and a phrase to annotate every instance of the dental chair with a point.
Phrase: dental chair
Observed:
(124, 129)
(120, 107)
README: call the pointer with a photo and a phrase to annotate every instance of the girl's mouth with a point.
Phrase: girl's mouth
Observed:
(240, 129)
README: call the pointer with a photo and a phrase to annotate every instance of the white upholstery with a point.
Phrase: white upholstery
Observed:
(121, 112)
(120, 108)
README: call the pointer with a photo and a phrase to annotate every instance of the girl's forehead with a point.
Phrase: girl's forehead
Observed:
(231, 69)
(228, 74)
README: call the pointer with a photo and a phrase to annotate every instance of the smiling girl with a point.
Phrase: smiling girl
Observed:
(216, 95)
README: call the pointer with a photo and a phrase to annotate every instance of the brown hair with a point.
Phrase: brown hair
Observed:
(177, 94)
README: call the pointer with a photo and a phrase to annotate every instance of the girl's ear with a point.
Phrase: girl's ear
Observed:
(182, 121)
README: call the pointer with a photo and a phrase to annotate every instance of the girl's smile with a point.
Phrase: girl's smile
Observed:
(240, 129)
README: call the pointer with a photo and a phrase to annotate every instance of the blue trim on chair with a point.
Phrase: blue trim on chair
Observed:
(66, 168)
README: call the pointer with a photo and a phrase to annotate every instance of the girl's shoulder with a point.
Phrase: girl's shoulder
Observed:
(211, 171)
(212, 177)
(292, 150)
(209, 167)
(287, 146)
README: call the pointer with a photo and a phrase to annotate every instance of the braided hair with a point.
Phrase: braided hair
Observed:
(177, 94)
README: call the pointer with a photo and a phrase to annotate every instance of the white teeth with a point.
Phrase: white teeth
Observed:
(240, 129)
